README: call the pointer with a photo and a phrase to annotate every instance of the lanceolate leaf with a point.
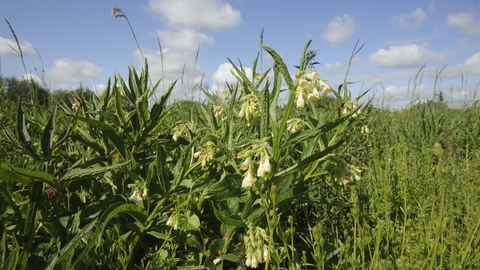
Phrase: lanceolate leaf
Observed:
(133, 210)
(76, 174)
(23, 132)
(6, 174)
(47, 135)
(108, 131)
(70, 246)
(20, 175)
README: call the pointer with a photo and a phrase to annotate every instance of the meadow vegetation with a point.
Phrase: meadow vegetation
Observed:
(322, 181)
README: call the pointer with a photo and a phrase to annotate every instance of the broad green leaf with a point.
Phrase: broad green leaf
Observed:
(232, 220)
(193, 223)
(230, 186)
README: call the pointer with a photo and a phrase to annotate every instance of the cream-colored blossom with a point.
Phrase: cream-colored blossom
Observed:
(313, 95)
(245, 164)
(300, 101)
(325, 87)
(248, 181)
(311, 75)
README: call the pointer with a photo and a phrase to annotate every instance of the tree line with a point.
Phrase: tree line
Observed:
(15, 90)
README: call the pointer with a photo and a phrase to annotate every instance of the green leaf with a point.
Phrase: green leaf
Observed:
(233, 220)
(78, 173)
(21, 175)
(70, 246)
(21, 126)
(6, 174)
(23, 133)
(116, 140)
(229, 186)
(193, 223)
(46, 142)
(133, 210)
(31, 223)
(231, 257)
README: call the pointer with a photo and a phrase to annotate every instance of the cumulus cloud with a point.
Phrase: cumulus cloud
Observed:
(465, 22)
(6, 46)
(182, 39)
(198, 14)
(406, 21)
(340, 29)
(470, 66)
(411, 55)
(335, 68)
(68, 70)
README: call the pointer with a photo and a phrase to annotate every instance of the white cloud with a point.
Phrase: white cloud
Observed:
(183, 39)
(400, 97)
(411, 55)
(335, 68)
(470, 66)
(406, 21)
(465, 22)
(6, 46)
(68, 70)
(340, 29)
(198, 14)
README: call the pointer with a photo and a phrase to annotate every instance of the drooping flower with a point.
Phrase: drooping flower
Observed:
(313, 95)
(264, 167)
(173, 221)
(245, 164)
(249, 180)
(325, 87)
(300, 101)
(311, 75)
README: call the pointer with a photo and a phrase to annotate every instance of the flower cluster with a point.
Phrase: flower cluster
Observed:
(182, 129)
(295, 124)
(219, 112)
(139, 190)
(258, 150)
(308, 88)
(256, 247)
(173, 221)
(225, 94)
(250, 109)
(206, 154)
(351, 106)
(353, 174)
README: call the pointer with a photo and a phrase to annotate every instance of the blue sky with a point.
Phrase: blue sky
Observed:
(78, 42)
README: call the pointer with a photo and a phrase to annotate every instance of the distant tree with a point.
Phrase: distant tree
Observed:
(18, 89)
